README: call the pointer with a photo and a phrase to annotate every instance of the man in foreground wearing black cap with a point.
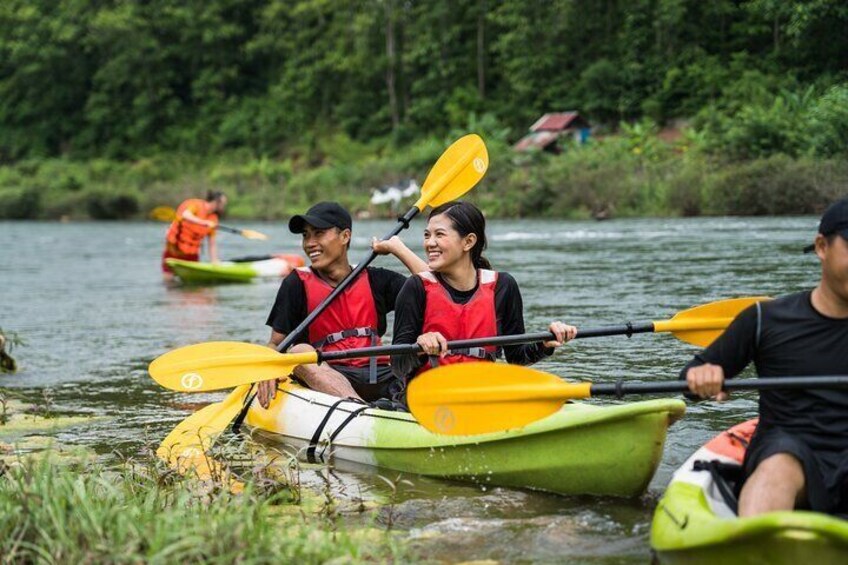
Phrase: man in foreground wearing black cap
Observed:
(356, 318)
(798, 456)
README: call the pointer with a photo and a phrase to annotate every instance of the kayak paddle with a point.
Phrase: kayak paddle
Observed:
(184, 449)
(460, 167)
(457, 171)
(225, 364)
(168, 214)
(478, 398)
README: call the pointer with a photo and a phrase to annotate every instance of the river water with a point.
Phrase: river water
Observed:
(89, 301)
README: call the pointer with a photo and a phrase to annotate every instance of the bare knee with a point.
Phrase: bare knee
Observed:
(776, 484)
(301, 348)
(782, 468)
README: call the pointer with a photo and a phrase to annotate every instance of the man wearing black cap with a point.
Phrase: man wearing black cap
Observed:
(356, 318)
(798, 456)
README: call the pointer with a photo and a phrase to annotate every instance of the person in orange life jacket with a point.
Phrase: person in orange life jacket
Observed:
(356, 318)
(460, 297)
(798, 456)
(195, 220)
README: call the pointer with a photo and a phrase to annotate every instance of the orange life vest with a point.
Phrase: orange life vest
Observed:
(187, 236)
(476, 318)
(349, 322)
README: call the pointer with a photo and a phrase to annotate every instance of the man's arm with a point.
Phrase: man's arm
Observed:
(725, 358)
(213, 248)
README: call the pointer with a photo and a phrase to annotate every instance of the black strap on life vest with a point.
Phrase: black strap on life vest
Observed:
(353, 332)
(476, 352)
(721, 472)
(344, 334)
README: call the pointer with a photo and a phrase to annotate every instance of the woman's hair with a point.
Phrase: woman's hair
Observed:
(467, 218)
(213, 195)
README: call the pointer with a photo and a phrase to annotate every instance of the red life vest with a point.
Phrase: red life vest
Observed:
(349, 322)
(187, 236)
(476, 318)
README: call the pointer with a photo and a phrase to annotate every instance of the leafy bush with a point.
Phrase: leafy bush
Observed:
(828, 123)
(22, 204)
(774, 186)
(103, 206)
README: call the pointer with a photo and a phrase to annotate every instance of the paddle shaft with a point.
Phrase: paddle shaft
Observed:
(228, 229)
(497, 341)
(622, 387)
(403, 223)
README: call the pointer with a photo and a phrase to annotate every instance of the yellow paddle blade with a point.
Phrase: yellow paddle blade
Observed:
(460, 167)
(163, 214)
(218, 365)
(701, 325)
(479, 398)
(252, 234)
(184, 449)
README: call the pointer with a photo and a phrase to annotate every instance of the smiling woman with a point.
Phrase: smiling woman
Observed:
(460, 297)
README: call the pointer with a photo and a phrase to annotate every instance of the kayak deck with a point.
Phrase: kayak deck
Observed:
(197, 272)
(693, 523)
(582, 449)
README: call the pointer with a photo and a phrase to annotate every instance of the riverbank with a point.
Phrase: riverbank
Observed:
(635, 173)
(83, 512)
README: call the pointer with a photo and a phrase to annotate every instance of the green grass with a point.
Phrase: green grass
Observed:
(91, 513)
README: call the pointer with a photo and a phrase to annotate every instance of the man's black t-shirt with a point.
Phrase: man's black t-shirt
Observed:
(409, 321)
(289, 308)
(791, 338)
(788, 337)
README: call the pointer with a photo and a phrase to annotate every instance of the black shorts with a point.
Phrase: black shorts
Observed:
(825, 472)
(359, 378)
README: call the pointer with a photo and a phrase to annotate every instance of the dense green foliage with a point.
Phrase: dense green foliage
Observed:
(117, 78)
(110, 108)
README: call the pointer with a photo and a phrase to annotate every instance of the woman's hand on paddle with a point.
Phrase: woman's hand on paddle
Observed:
(385, 246)
(563, 333)
(266, 391)
(433, 343)
(707, 381)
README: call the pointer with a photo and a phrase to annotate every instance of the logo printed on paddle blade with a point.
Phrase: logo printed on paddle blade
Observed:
(479, 165)
(445, 419)
(191, 381)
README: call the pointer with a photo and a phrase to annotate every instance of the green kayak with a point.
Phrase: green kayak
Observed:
(197, 273)
(582, 449)
(695, 524)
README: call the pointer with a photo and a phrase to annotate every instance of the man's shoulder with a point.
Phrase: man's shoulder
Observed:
(292, 280)
(795, 302)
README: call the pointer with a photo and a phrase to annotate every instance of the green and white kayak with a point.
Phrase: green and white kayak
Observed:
(196, 272)
(695, 524)
(582, 449)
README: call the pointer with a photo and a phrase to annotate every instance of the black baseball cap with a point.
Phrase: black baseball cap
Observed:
(322, 216)
(834, 220)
